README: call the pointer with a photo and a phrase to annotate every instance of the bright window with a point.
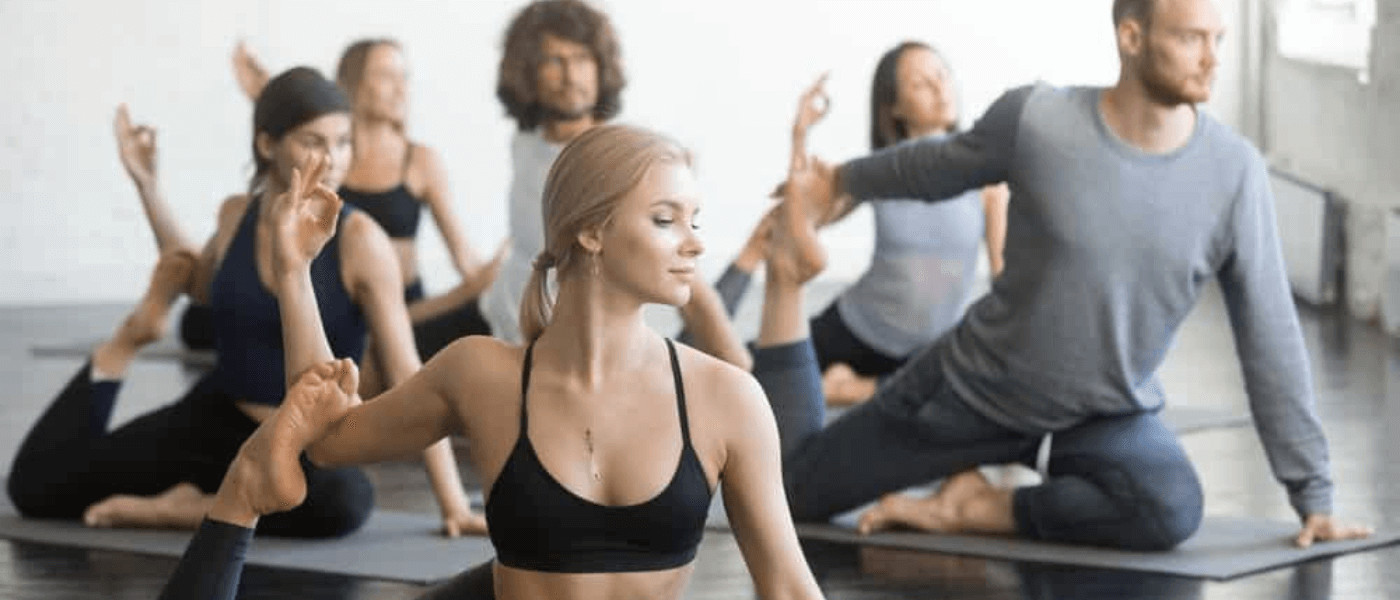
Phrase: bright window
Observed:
(1330, 32)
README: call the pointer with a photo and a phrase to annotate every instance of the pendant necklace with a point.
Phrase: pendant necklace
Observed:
(592, 460)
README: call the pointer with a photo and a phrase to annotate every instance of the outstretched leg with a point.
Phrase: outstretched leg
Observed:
(915, 430)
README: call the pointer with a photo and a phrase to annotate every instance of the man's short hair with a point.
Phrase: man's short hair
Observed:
(571, 20)
(1137, 10)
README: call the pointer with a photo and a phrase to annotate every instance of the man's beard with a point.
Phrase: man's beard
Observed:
(1162, 90)
(552, 113)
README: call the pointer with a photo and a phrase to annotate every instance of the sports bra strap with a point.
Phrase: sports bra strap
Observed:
(680, 392)
(525, 387)
(675, 374)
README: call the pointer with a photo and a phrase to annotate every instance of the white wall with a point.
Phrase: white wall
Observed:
(722, 76)
(1323, 125)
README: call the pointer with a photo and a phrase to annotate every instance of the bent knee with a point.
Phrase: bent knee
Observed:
(346, 504)
(336, 506)
(1168, 518)
(1165, 528)
(31, 497)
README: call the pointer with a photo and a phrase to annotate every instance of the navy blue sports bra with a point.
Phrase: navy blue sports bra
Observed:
(248, 324)
(397, 210)
(537, 524)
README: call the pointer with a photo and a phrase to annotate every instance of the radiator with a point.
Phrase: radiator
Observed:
(1311, 231)
(1390, 295)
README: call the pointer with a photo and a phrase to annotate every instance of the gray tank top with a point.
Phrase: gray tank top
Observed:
(921, 275)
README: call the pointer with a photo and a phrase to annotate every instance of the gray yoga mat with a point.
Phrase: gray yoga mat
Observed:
(167, 349)
(1223, 548)
(392, 545)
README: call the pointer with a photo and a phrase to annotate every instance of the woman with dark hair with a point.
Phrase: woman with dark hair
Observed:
(158, 470)
(580, 506)
(922, 272)
(390, 177)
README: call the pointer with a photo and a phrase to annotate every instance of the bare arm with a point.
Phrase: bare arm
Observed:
(709, 324)
(248, 70)
(136, 145)
(379, 293)
(396, 424)
(231, 210)
(994, 200)
(438, 197)
(756, 504)
(304, 218)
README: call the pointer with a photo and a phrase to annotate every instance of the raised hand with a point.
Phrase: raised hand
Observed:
(251, 75)
(1325, 528)
(811, 107)
(304, 217)
(137, 147)
(461, 520)
(481, 275)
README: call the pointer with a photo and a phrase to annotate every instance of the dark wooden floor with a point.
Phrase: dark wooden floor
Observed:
(1358, 377)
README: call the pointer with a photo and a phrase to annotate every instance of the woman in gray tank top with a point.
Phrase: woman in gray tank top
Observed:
(923, 269)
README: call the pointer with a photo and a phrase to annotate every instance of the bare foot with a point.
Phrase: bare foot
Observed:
(266, 477)
(469, 289)
(148, 321)
(897, 510)
(756, 247)
(966, 503)
(844, 387)
(180, 507)
(171, 277)
(795, 253)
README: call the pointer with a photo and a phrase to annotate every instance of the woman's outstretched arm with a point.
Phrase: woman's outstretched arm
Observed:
(136, 145)
(756, 503)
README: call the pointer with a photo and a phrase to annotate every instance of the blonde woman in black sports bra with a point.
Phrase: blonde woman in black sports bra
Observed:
(580, 505)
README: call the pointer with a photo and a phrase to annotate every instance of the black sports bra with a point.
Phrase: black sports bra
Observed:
(396, 209)
(539, 525)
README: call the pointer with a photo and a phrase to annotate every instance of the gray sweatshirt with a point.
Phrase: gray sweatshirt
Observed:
(1107, 248)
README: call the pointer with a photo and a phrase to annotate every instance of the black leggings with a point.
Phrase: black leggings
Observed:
(835, 343)
(69, 460)
(212, 566)
(831, 337)
(436, 333)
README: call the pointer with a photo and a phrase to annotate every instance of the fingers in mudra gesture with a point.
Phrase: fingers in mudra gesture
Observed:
(811, 107)
(305, 215)
(137, 147)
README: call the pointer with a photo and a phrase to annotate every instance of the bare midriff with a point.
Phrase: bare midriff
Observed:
(520, 584)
